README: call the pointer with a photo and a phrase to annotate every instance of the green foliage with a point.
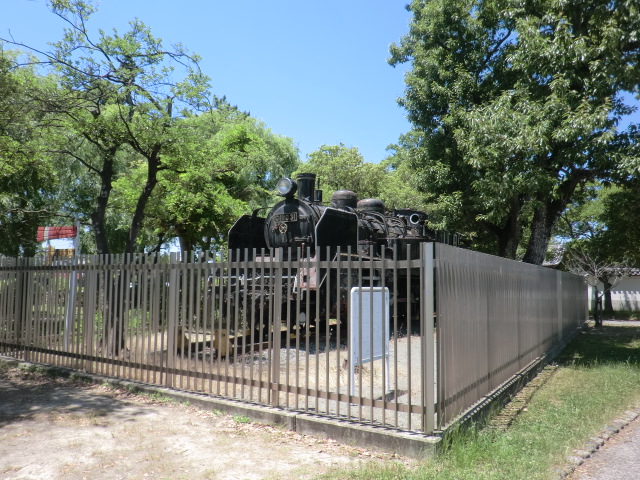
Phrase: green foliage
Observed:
(119, 105)
(26, 184)
(600, 233)
(605, 223)
(222, 166)
(139, 156)
(621, 216)
(241, 419)
(399, 188)
(158, 397)
(339, 167)
(515, 109)
(582, 219)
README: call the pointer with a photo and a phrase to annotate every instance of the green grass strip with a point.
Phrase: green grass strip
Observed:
(598, 378)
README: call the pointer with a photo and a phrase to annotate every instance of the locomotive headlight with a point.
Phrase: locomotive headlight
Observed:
(286, 187)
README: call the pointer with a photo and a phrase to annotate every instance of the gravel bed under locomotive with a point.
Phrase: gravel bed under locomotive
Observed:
(306, 230)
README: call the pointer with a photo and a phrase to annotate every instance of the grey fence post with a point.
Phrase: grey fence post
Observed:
(20, 315)
(71, 301)
(276, 326)
(27, 310)
(89, 301)
(428, 339)
(172, 316)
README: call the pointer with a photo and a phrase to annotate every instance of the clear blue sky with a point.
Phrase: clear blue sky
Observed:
(315, 71)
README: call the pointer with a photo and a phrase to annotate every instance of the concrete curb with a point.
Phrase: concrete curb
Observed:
(595, 443)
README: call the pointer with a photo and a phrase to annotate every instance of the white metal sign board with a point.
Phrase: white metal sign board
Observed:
(369, 328)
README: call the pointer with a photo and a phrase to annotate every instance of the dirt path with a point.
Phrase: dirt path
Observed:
(54, 429)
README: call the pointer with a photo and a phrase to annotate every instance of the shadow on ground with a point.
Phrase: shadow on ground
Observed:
(617, 342)
(24, 395)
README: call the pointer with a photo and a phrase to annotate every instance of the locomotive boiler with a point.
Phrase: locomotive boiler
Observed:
(304, 231)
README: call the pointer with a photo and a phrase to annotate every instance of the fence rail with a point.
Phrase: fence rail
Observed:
(339, 335)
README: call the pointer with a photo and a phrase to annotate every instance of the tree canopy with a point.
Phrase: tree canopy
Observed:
(26, 184)
(516, 107)
(517, 113)
(144, 150)
(340, 167)
(605, 224)
(228, 166)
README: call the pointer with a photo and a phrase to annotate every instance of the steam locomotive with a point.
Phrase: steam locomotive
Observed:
(306, 229)
(307, 223)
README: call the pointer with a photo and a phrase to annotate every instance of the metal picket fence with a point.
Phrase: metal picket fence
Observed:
(407, 342)
(496, 316)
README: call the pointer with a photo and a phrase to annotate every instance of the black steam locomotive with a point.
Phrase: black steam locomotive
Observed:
(307, 223)
(306, 229)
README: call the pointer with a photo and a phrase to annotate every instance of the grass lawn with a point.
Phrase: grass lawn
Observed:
(598, 378)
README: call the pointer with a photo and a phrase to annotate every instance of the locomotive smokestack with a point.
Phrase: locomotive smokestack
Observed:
(306, 186)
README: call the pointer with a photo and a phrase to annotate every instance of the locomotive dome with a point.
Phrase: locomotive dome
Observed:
(344, 199)
(371, 205)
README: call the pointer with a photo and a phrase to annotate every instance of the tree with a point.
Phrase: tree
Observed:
(26, 183)
(515, 109)
(339, 167)
(600, 234)
(400, 187)
(117, 94)
(117, 113)
(621, 215)
(227, 163)
(582, 220)
(596, 269)
(117, 103)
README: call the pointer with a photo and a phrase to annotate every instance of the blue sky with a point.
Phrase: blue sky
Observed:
(313, 71)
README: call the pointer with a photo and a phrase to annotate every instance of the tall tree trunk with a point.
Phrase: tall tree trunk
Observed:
(99, 231)
(550, 207)
(98, 215)
(544, 218)
(509, 235)
(608, 303)
(153, 166)
(186, 245)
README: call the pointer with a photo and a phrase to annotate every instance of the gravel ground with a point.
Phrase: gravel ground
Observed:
(57, 429)
(314, 366)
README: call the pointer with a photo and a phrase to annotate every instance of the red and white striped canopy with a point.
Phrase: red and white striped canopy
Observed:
(51, 233)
